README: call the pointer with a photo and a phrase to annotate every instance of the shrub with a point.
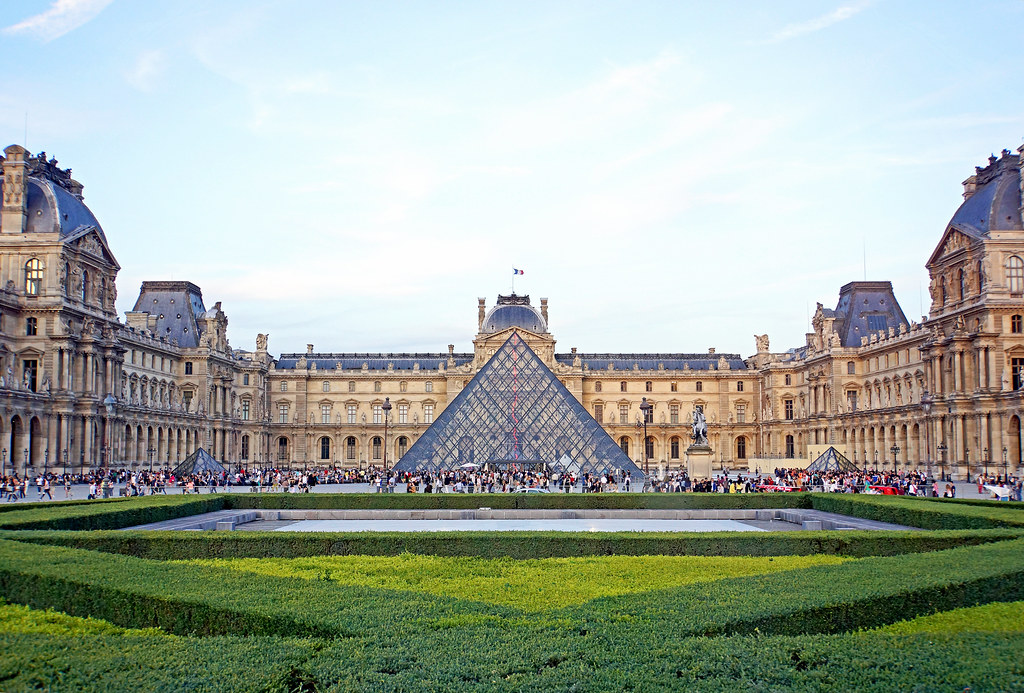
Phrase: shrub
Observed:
(918, 512)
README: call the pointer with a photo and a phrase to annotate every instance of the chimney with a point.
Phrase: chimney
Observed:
(14, 216)
(481, 312)
(544, 309)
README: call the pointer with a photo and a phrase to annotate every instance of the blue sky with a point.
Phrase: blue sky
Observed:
(673, 176)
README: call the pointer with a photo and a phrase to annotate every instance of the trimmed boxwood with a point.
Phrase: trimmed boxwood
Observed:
(169, 545)
(918, 512)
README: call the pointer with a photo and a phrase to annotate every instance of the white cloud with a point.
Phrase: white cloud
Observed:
(62, 17)
(147, 67)
(818, 23)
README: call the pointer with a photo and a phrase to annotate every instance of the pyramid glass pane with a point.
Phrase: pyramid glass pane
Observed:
(832, 461)
(516, 412)
(198, 462)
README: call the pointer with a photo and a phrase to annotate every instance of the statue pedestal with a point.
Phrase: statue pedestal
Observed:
(698, 461)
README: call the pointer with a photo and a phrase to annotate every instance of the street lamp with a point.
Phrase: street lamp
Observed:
(984, 454)
(645, 408)
(926, 404)
(386, 408)
(967, 462)
(895, 450)
(150, 451)
(64, 454)
(108, 402)
(3, 467)
(941, 449)
(26, 461)
(46, 460)
(876, 460)
(1006, 473)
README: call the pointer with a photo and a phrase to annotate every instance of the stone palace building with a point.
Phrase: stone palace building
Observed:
(81, 390)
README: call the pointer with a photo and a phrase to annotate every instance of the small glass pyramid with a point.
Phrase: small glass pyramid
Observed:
(516, 412)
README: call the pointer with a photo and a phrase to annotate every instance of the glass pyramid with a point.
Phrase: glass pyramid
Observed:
(516, 412)
(198, 462)
(832, 461)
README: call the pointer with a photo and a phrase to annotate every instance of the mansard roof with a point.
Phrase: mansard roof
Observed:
(373, 362)
(652, 362)
(993, 198)
(176, 305)
(514, 311)
(865, 308)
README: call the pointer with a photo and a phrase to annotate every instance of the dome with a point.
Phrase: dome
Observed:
(994, 198)
(52, 208)
(514, 311)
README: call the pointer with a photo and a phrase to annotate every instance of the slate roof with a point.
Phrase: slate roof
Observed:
(50, 205)
(374, 362)
(653, 362)
(865, 308)
(995, 204)
(176, 304)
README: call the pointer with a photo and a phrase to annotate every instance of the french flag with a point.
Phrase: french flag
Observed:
(517, 271)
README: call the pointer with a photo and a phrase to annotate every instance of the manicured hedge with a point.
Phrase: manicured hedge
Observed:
(110, 514)
(918, 512)
(998, 617)
(166, 545)
(184, 598)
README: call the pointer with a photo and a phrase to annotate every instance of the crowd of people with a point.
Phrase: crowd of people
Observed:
(473, 479)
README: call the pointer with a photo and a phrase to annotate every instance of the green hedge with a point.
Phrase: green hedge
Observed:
(169, 545)
(183, 598)
(918, 512)
(110, 514)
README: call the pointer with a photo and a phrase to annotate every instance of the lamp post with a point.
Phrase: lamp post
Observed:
(108, 403)
(895, 450)
(150, 451)
(926, 404)
(645, 409)
(876, 460)
(46, 460)
(64, 454)
(1006, 473)
(3, 467)
(967, 462)
(984, 454)
(386, 408)
(941, 449)
(26, 461)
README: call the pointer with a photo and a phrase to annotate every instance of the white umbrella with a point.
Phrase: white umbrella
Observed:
(998, 490)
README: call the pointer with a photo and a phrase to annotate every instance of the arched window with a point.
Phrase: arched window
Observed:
(350, 448)
(376, 447)
(325, 448)
(741, 448)
(790, 449)
(1015, 274)
(624, 444)
(33, 277)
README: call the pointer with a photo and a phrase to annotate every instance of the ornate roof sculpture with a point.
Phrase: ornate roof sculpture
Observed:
(516, 412)
(832, 461)
(515, 311)
(198, 462)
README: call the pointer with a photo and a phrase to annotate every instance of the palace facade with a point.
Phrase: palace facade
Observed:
(81, 390)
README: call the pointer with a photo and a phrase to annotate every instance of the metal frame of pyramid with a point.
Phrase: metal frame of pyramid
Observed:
(516, 412)
(832, 461)
(198, 461)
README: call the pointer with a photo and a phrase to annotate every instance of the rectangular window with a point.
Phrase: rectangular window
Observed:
(245, 379)
(188, 368)
(351, 385)
(1018, 371)
(597, 386)
(599, 412)
(403, 386)
(851, 400)
(326, 387)
(876, 323)
(741, 413)
(622, 386)
(245, 447)
(851, 368)
(245, 410)
(649, 415)
(673, 413)
(325, 413)
(428, 386)
(350, 448)
(789, 379)
(31, 365)
(739, 386)
(674, 387)
(674, 447)
(378, 414)
(623, 413)
(428, 413)
(789, 409)
(1016, 324)
(700, 386)
(403, 413)
(351, 413)
(648, 386)
(30, 327)
(186, 399)
(376, 386)
(284, 386)
(282, 413)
